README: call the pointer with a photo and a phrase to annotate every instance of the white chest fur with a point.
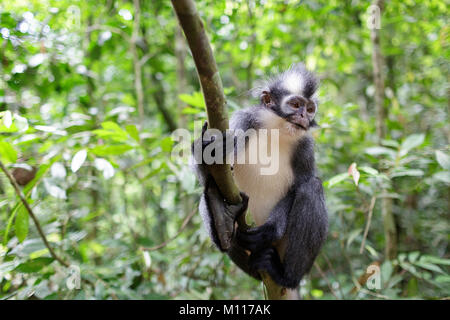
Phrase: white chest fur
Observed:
(265, 191)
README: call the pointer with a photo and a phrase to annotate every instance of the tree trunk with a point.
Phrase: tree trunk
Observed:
(390, 232)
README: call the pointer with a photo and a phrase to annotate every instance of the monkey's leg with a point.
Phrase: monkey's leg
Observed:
(306, 231)
(264, 236)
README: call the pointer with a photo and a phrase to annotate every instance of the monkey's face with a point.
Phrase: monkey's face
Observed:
(294, 108)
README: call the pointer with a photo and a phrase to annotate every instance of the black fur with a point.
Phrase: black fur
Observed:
(298, 222)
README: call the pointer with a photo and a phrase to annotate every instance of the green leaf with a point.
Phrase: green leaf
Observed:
(411, 142)
(412, 257)
(435, 260)
(7, 152)
(352, 236)
(34, 265)
(7, 119)
(110, 150)
(336, 179)
(407, 172)
(132, 131)
(443, 176)
(113, 131)
(189, 110)
(195, 100)
(429, 266)
(21, 223)
(443, 159)
(166, 144)
(369, 170)
(378, 151)
(390, 143)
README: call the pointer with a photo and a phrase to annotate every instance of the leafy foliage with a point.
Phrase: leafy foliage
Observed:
(107, 191)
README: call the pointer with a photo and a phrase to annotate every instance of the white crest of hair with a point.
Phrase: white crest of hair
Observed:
(293, 81)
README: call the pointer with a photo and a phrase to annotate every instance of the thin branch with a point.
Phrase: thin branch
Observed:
(147, 57)
(32, 215)
(323, 275)
(211, 85)
(111, 29)
(165, 243)
(369, 220)
(136, 62)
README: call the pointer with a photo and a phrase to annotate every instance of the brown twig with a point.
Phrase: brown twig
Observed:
(324, 276)
(369, 220)
(31, 214)
(211, 84)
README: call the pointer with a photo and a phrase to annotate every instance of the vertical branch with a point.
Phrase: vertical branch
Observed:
(251, 16)
(377, 64)
(390, 232)
(180, 53)
(136, 63)
(211, 86)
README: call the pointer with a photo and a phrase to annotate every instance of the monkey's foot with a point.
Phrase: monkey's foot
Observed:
(256, 239)
(267, 260)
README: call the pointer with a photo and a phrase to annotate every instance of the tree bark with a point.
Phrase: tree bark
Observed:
(211, 86)
(137, 67)
(390, 231)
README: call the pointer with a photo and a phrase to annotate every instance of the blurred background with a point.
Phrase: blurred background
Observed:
(90, 92)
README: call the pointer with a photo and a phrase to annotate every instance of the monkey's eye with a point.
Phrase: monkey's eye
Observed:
(294, 104)
(311, 107)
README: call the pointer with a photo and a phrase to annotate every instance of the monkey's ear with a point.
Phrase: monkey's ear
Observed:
(266, 99)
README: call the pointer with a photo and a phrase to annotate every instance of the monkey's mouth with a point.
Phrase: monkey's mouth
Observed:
(299, 121)
(300, 125)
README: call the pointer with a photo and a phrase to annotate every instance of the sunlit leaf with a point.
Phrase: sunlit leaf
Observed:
(369, 170)
(443, 159)
(195, 100)
(78, 160)
(411, 142)
(110, 150)
(336, 179)
(133, 132)
(7, 119)
(443, 176)
(34, 265)
(377, 151)
(407, 172)
(7, 153)
(105, 167)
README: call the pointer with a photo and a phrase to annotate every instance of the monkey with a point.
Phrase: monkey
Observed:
(288, 206)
